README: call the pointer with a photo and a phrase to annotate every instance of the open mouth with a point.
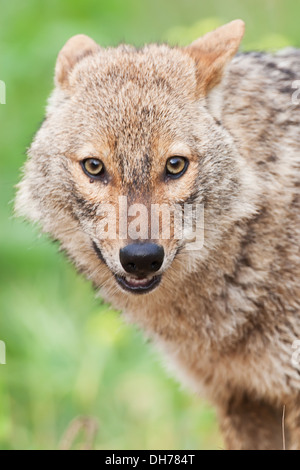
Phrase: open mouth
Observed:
(138, 286)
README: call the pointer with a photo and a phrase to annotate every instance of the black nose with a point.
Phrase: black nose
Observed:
(142, 258)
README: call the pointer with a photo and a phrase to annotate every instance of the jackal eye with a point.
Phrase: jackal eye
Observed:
(176, 166)
(93, 167)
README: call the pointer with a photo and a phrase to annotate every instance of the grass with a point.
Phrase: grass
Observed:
(68, 354)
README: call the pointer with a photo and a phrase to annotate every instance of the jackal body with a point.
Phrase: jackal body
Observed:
(226, 316)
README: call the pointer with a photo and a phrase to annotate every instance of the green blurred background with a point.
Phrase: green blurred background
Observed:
(68, 354)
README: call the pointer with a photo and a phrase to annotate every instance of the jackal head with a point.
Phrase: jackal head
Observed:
(129, 143)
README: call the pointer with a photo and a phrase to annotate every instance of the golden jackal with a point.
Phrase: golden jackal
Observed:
(142, 129)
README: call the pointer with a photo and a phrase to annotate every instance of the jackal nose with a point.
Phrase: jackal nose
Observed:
(142, 259)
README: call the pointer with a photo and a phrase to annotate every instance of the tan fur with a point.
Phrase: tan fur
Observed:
(212, 52)
(226, 316)
(74, 50)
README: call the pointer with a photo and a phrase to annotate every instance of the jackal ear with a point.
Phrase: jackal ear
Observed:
(73, 51)
(213, 51)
